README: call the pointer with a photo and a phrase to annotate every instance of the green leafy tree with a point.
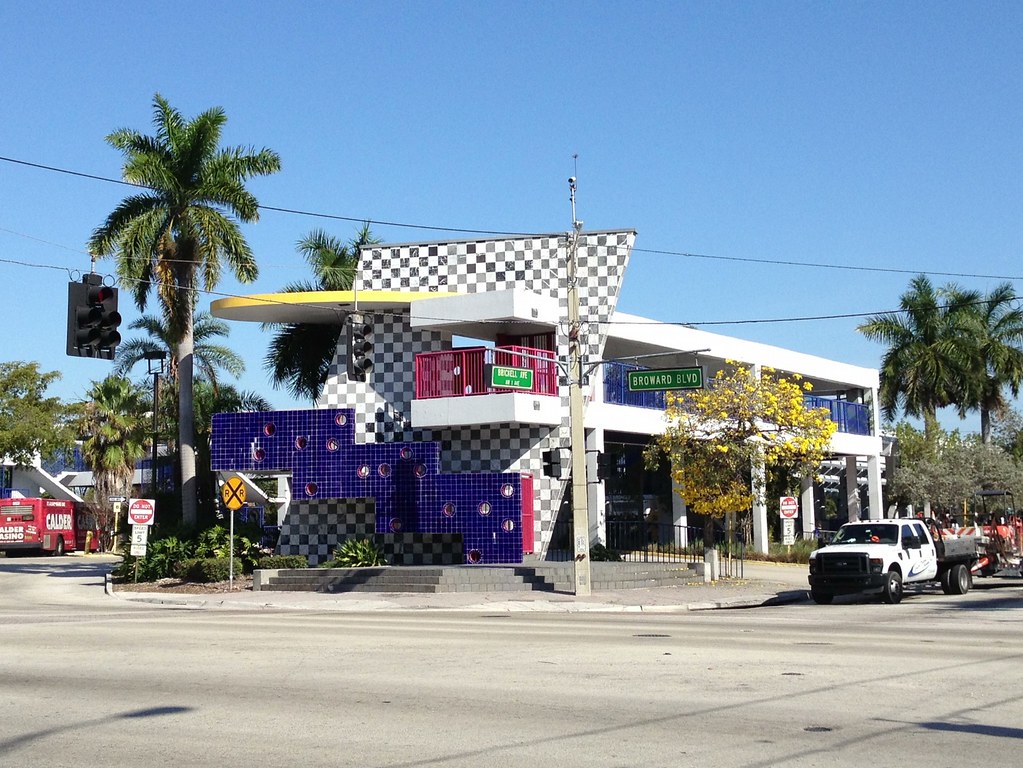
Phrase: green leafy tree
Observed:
(113, 423)
(950, 469)
(926, 364)
(32, 425)
(995, 356)
(300, 354)
(210, 357)
(1007, 429)
(178, 233)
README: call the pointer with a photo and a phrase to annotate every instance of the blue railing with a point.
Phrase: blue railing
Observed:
(851, 418)
(616, 388)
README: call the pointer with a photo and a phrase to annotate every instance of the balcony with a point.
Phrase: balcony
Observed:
(462, 372)
(851, 418)
(450, 388)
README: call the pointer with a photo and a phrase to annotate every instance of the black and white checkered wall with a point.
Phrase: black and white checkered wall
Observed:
(539, 264)
(315, 528)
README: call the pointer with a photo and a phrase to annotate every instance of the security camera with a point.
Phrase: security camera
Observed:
(571, 179)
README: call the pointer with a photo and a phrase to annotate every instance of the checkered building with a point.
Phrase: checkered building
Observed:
(381, 405)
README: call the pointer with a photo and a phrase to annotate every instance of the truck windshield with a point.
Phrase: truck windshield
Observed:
(867, 534)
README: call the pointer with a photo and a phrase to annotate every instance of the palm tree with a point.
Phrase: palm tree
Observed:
(114, 421)
(925, 366)
(996, 359)
(301, 353)
(179, 230)
(209, 357)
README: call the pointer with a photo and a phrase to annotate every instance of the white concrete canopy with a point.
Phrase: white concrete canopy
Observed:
(486, 315)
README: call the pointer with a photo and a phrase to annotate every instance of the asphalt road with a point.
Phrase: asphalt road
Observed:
(91, 681)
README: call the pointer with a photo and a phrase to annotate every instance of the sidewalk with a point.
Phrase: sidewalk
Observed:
(768, 585)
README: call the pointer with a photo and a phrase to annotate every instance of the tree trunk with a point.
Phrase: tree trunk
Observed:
(985, 425)
(186, 414)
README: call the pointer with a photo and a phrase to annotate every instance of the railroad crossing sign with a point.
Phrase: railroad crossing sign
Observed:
(141, 511)
(789, 507)
(233, 493)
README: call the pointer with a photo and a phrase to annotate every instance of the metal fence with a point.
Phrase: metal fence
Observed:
(637, 541)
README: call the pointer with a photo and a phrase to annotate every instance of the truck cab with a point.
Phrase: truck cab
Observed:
(881, 556)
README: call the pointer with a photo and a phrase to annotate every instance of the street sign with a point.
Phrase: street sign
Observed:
(139, 539)
(788, 531)
(789, 507)
(141, 511)
(507, 377)
(659, 380)
(233, 493)
(116, 498)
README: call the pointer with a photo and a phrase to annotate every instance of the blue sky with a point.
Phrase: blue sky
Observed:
(877, 134)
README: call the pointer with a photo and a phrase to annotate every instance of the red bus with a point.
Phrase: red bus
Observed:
(49, 525)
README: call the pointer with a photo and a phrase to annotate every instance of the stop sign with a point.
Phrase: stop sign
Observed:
(141, 511)
(789, 506)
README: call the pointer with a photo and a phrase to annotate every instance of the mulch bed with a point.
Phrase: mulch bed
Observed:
(241, 584)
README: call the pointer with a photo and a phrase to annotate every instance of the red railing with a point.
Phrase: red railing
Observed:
(460, 372)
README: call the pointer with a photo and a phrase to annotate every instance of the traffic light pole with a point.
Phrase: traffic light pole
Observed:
(577, 438)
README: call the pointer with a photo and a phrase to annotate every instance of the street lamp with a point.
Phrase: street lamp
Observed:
(154, 362)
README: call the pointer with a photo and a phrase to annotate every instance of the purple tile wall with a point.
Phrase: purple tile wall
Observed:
(411, 496)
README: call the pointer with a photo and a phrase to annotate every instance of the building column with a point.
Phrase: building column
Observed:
(760, 538)
(595, 493)
(852, 489)
(874, 497)
(284, 494)
(806, 506)
(679, 514)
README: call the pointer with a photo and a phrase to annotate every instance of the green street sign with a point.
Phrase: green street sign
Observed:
(666, 378)
(510, 378)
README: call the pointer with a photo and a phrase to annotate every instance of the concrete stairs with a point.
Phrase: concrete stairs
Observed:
(547, 577)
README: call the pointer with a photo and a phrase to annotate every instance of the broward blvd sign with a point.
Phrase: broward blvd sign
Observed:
(659, 380)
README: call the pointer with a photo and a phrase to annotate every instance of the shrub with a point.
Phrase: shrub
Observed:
(213, 542)
(357, 553)
(283, 561)
(599, 553)
(202, 570)
(162, 556)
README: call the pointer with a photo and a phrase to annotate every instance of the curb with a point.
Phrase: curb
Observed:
(206, 603)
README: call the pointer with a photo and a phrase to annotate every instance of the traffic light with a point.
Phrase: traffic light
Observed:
(92, 318)
(360, 348)
(603, 466)
(552, 463)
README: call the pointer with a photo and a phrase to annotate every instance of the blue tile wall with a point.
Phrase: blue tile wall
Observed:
(411, 496)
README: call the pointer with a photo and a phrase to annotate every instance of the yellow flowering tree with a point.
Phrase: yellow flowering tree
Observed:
(715, 436)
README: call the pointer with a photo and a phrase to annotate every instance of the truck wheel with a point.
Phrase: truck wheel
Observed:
(58, 551)
(821, 598)
(946, 582)
(959, 580)
(892, 588)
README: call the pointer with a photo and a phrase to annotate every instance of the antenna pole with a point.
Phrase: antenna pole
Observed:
(577, 438)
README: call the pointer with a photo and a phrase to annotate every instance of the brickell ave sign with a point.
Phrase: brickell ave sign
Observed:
(667, 378)
(511, 378)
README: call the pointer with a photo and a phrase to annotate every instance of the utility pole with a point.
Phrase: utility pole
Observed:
(577, 433)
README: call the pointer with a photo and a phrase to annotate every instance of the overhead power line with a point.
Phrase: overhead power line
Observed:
(501, 233)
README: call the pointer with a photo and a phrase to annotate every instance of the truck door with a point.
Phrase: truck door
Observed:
(918, 554)
(928, 551)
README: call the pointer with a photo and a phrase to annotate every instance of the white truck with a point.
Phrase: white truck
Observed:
(881, 556)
